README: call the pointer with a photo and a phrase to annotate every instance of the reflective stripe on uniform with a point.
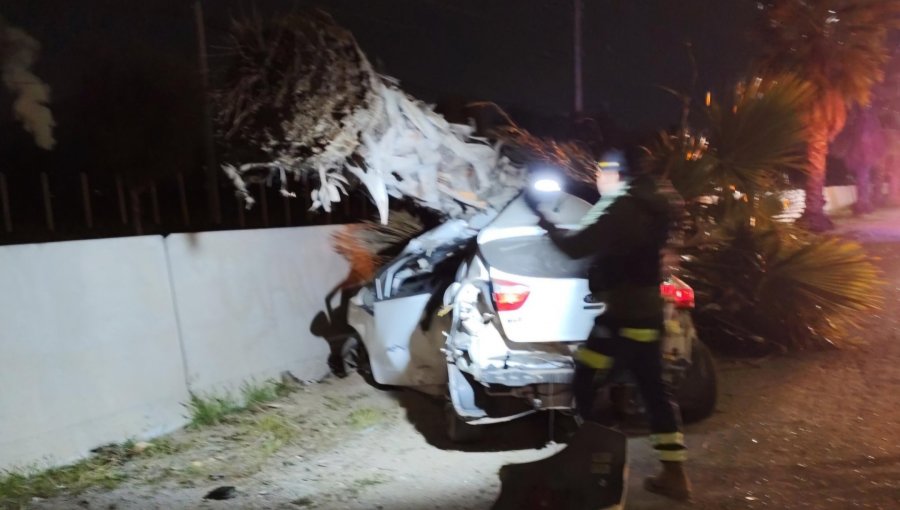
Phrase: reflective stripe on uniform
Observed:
(640, 334)
(593, 359)
(676, 438)
(673, 455)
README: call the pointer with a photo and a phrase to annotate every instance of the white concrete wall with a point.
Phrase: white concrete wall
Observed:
(246, 299)
(89, 349)
(101, 341)
(839, 197)
(836, 199)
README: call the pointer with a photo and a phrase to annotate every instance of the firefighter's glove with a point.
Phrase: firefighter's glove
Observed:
(545, 224)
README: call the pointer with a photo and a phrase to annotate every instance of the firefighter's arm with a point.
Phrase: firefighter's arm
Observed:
(612, 231)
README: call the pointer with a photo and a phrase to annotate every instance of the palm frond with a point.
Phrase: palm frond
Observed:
(760, 135)
(365, 244)
(836, 44)
(523, 147)
(779, 286)
(747, 145)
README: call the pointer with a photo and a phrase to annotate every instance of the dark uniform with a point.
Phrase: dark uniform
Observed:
(626, 243)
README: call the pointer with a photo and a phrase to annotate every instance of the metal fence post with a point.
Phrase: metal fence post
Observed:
(136, 212)
(155, 203)
(86, 200)
(264, 203)
(287, 211)
(48, 206)
(182, 199)
(120, 191)
(4, 197)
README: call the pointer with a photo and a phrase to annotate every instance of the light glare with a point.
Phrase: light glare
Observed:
(547, 185)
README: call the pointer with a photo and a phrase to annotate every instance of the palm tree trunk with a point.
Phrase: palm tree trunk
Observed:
(892, 165)
(814, 216)
(863, 190)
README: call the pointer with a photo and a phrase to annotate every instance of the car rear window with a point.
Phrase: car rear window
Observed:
(533, 256)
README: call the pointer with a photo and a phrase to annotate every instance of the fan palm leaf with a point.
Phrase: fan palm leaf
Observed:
(780, 286)
(747, 146)
(838, 45)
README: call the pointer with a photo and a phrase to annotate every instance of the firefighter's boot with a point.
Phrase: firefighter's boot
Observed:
(671, 482)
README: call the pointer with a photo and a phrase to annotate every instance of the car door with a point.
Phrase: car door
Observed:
(404, 337)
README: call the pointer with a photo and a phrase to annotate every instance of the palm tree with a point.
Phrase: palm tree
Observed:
(744, 147)
(762, 284)
(839, 47)
(887, 102)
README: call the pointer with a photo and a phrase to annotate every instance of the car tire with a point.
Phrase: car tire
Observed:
(458, 431)
(697, 393)
(356, 358)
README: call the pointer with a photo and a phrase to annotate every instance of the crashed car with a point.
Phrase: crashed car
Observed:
(490, 316)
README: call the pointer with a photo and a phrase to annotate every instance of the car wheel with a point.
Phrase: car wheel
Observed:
(356, 358)
(698, 391)
(458, 431)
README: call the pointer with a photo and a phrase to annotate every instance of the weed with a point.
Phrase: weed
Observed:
(276, 427)
(361, 484)
(365, 417)
(256, 394)
(273, 432)
(18, 488)
(104, 468)
(210, 410)
(283, 389)
(162, 446)
(334, 403)
(303, 502)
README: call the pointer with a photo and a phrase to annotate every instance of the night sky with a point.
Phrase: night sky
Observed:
(515, 52)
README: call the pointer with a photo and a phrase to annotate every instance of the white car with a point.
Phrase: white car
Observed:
(490, 318)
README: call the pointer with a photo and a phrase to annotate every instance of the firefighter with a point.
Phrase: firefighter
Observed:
(626, 241)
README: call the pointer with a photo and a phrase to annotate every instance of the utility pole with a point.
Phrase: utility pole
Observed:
(579, 92)
(212, 174)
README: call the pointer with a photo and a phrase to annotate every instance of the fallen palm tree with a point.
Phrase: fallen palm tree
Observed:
(300, 99)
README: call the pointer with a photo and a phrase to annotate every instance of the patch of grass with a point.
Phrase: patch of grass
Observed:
(163, 446)
(335, 403)
(18, 488)
(273, 432)
(361, 484)
(366, 417)
(105, 468)
(276, 427)
(212, 410)
(256, 394)
(283, 389)
(207, 411)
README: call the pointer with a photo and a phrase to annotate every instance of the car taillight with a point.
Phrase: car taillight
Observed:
(683, 297)
(509, 296)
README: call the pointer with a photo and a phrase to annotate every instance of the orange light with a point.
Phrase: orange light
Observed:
(509, 296)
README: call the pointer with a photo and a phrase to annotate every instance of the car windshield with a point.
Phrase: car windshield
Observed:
(532, 256)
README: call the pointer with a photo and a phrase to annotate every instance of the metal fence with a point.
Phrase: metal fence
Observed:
(42, 207)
